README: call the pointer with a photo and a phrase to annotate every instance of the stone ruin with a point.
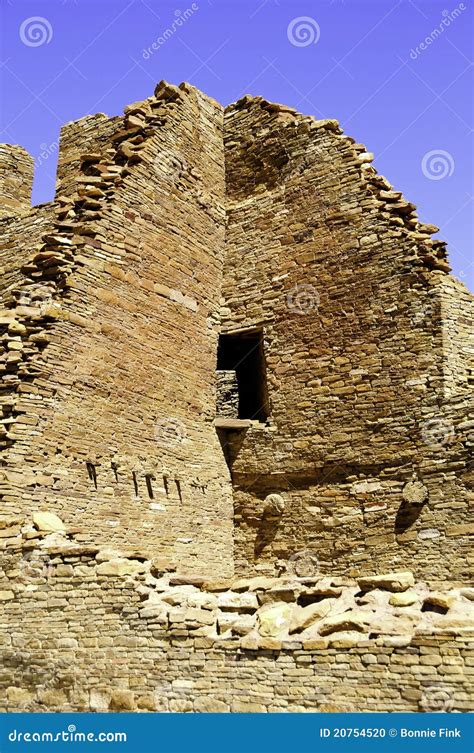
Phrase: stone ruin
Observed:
(236, 423)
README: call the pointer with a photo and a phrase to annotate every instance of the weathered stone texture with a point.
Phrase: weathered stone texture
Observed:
(110, 380)
(16, 180)
(105, 634)
(137, 468)
(364, 337)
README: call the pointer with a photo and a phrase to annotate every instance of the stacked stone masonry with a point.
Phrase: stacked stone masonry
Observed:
(132, 458)
(108, 631)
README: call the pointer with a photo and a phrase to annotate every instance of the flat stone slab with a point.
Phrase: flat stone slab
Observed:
(232, 423)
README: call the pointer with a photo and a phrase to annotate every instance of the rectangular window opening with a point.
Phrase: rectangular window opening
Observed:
(241, 377)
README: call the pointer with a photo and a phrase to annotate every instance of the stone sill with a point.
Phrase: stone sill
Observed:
(238, 424)
(232, 424)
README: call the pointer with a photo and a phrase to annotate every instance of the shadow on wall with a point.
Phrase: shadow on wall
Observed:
(407, 515)
(269, 523)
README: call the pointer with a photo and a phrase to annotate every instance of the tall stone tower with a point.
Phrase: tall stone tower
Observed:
(235, 424)
(228, 341)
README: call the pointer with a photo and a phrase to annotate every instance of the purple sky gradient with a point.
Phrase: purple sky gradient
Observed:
(413, 110)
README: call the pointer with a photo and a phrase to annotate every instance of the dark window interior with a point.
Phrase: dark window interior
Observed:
(243, 353)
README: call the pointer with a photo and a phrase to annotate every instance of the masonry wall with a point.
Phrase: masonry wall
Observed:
(111, 400)
(19, 233)
(457, 308)
(169, 678)
(16, 180)
(90, 135)
(97, 638)
(168, 228)
(348, 288)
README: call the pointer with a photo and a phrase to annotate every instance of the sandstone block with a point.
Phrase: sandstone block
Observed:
(345, 639)
(147, 702)
(259, 583)
(390, 581)
(53, 697)
(237, 601)
(121, 566)
(201, 616)
(210, 705)
(240, 624)
(316, 643)
(303, 617)
(122, 700)
(347, 621)
(442, 600)
(19, 696)
(247, 707)
(403, 599)
(48, 522)
(274, 620)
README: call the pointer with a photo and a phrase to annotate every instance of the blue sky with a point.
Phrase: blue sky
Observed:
(397, 74)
